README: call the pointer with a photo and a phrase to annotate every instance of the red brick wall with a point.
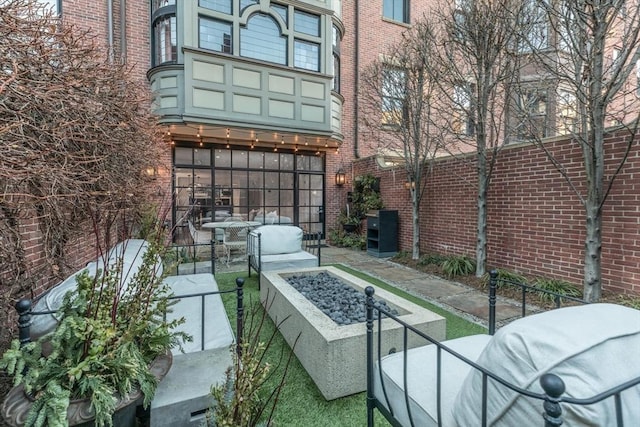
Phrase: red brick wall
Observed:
(536, 223)
(89, 15)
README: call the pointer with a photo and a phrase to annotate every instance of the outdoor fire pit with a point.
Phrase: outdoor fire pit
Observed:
(334, 355)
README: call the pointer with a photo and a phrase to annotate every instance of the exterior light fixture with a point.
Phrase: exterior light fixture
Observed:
(341, 178)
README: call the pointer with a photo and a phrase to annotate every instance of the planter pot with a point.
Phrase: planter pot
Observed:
(350, 228)
(17, 403)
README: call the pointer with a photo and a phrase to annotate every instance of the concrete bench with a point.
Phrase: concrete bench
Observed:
(281, 247)
(182, 397)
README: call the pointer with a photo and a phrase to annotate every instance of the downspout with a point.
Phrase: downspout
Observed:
(123, 31)
(356, 79)
(110, 28)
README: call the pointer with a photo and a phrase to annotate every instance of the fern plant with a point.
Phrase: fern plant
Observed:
(102, 346)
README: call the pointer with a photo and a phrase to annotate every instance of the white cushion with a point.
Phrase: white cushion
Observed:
(130, 251)
(592, 348)
(217, 329)
(422, 384)
(301, 259)
(279, 239)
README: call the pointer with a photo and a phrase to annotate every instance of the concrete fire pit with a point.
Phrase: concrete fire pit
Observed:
(333, 355)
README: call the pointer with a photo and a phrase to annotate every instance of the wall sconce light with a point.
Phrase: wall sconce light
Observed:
(410, 185)
(341, 178)
(151, 172)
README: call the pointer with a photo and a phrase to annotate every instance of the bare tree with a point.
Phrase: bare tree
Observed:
(396, 96)
(476, 51)
(77, 136)
(586, 52)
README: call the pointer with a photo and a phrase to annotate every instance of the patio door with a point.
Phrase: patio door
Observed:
(310, 202)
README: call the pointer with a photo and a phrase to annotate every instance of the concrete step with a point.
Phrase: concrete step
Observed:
(182, 397)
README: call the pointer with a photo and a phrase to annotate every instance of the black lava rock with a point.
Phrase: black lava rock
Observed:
(342, 303)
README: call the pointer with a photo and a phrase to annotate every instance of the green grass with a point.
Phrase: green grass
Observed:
(301, 403)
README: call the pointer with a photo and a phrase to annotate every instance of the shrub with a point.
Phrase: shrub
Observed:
(458, 265)
(557, 286)
(432, 259)
(504, 276)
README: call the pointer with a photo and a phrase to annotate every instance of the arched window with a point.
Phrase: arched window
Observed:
(263, 40)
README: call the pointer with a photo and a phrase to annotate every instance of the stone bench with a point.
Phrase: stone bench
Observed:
(182, 397)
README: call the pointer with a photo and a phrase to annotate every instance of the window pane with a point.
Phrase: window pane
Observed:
(286, 161)
(395, 9)
(223, 158)
(239, 159)
(201, 156)
(262, 39)
(336, 73)
(271, 161)
(246, 3)
(157, 4)
(215, 35)
(286, 180)
(256, 160)
(164, 33)
(223, 6)
(315, 163)
(183, 156)
(282, 11)
(307, 23)
(307, 55)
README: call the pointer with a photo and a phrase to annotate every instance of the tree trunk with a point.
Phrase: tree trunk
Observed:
(592, 253)
(481, 242)
(416, 225)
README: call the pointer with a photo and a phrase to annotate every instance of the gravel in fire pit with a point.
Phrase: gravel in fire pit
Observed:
(341, 302)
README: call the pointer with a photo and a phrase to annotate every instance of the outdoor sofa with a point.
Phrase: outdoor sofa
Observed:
(282, 247)
(576, 366)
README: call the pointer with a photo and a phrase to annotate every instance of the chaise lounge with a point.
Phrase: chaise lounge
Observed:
(575, 365)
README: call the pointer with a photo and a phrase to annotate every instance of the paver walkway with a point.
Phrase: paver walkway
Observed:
(466, 301)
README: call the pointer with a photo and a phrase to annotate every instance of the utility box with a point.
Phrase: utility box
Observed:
(382, 233)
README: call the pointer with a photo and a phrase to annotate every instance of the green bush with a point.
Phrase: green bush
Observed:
(342, 239)
(458, 265)
(432, 259)
(557, 286)
(504, 276)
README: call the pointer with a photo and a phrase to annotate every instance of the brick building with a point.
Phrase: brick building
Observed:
(258, 100)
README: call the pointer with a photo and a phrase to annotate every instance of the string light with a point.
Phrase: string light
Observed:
(168, 130)
(296, 149)
(201, 143)
(275, 148)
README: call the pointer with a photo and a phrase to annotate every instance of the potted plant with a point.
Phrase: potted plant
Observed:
(101, 352)
(350, 223)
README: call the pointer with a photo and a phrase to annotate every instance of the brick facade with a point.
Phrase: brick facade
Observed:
(536, 223)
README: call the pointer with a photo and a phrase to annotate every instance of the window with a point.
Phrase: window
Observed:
(215, 35)
(306, 55)
(164, 43)
(50, 5)
(282, 11)
(398, 10)
(535, 28)
(281, 35)
(262, 40)
(246, 3)
(223, 6)
(164, 39)
(532, 106)
(307, 23)
(393, 95)
(462, 123)
(638, 77)
(335, 42)
(567, 112)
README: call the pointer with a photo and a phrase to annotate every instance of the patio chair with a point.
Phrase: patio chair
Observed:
(235, 239)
